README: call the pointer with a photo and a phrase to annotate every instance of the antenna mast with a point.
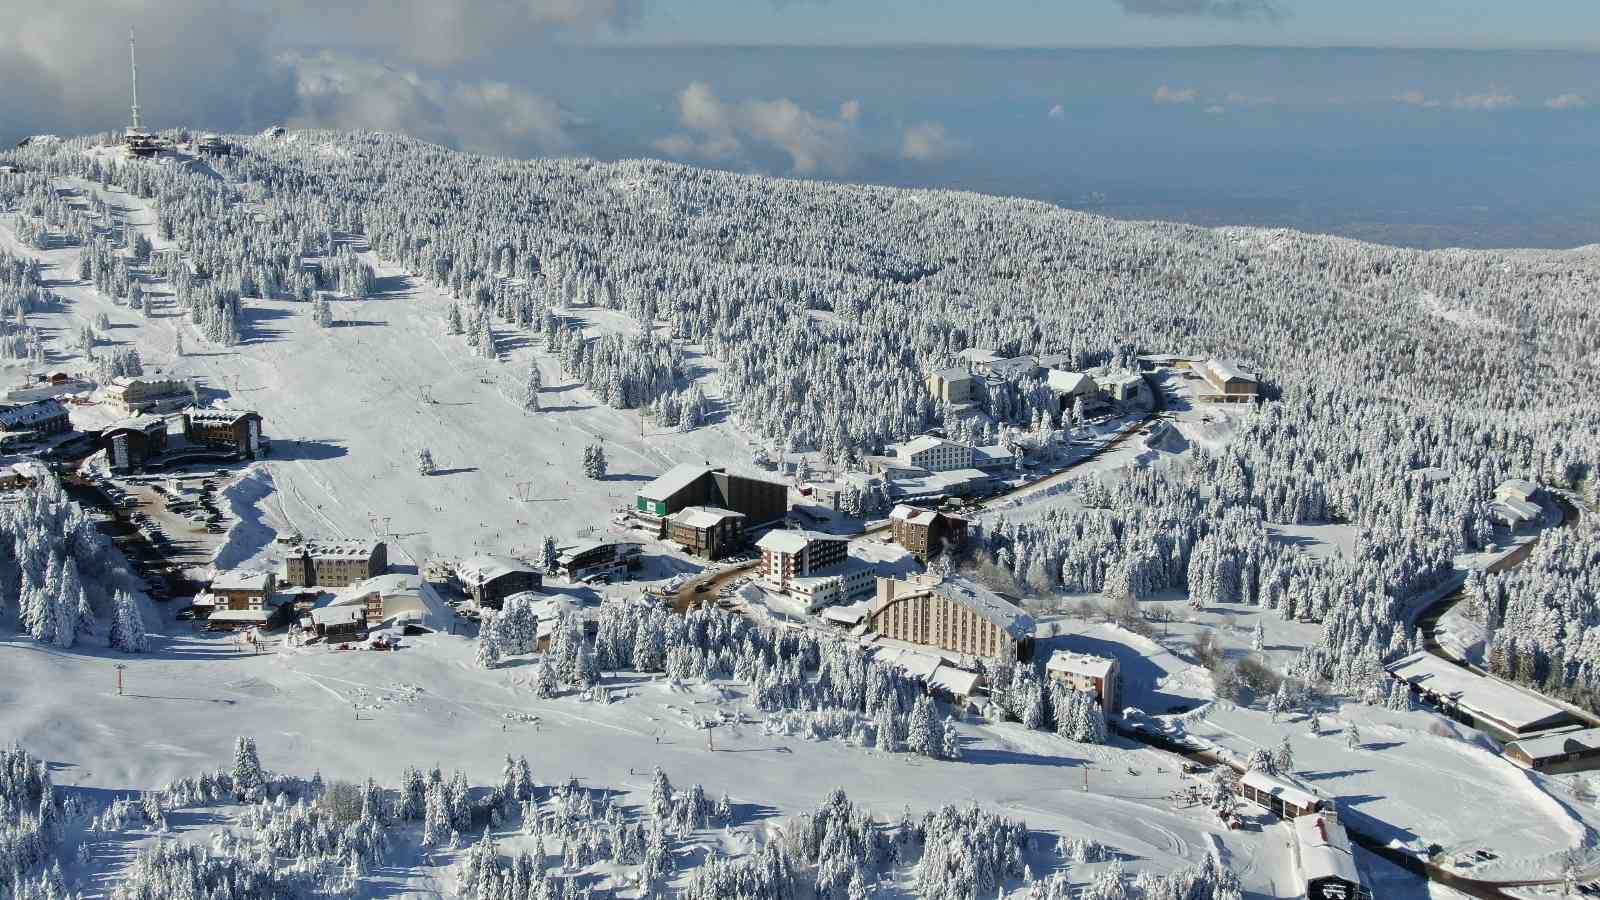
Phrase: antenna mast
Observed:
(133, 62)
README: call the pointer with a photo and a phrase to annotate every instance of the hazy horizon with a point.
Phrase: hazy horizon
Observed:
(1422, 147)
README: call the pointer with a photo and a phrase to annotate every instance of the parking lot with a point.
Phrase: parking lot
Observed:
(169, 526)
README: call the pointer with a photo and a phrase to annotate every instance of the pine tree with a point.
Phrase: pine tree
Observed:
(452, 322)
(951, 740)
(127, 625)
(530, 390)
(248, 776)
(1283, 758)
(488, 646)
(594, 461)
(1352, 737)
(920, 737)
(545, 683)
(425, 463)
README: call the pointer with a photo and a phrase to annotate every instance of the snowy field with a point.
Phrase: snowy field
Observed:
(353, 714)
(345, 410)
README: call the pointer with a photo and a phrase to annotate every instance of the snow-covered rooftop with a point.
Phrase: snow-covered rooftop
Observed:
(978, 355)
(993, 608)
(793, 541)
(1281, 787)
(674, 480)
(1080, 664)
(1225, 370)
(1018, 365)
(1068, 382)
(914, 515)
(1324, 849)
(217, 415)
(242, 580)
(1558, 744)
(993, 453)
(704, 516)
(1516, 489)
(578, 549)
(915, 663)
(477, 570)
(137, 423)
(1514, 510)
(959, 682)
(29, 414)
(850, 614)
(349, 548)
(342, 614)
(1483, 697)
(918, 445)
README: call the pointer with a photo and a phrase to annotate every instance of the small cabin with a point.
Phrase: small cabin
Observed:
(1278, 795)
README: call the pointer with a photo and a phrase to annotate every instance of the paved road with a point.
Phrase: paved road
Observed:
(1428, 620)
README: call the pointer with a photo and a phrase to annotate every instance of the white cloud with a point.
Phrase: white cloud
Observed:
(814, 144)
(443, 32)
(1166, 94)
(1566, 101)
(481, 116)
(1496, 99)
(927, 142)
(1058, 112)
(1415, 98)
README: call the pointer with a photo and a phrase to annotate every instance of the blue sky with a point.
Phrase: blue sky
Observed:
(1315, 115)
(1106, 23)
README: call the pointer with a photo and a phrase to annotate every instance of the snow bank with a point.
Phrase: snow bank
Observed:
(250, 534)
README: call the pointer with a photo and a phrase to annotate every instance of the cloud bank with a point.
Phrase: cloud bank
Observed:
(717, 131)
(1268, 11)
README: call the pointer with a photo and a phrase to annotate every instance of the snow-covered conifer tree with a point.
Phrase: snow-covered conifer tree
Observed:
(127, 625)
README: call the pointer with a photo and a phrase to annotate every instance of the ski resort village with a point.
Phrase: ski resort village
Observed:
(383, 520)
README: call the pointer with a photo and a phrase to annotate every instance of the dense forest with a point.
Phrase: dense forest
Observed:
(1402, 385)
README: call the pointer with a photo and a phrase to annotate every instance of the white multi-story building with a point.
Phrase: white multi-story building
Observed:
(933, 454)
(814, 567)
(1095, 675)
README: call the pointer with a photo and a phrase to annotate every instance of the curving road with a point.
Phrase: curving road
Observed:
(689, 594)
